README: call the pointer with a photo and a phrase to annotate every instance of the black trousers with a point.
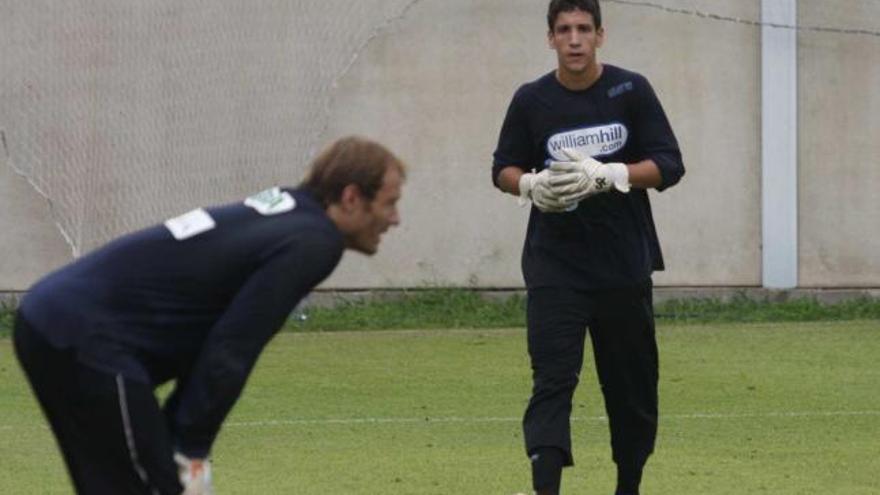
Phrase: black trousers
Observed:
(621, 328)
(110, 430)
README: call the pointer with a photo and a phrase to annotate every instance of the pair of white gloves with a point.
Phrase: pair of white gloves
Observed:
(195, 475)
(564, 183)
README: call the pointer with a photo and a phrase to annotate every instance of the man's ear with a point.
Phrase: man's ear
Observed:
(350, 198)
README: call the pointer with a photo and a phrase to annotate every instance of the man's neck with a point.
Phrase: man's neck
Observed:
(579, 81)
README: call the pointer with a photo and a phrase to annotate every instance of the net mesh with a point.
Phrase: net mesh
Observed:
(124, 113)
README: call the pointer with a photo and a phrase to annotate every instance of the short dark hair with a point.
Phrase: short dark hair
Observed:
(589, 6)
(350, 160)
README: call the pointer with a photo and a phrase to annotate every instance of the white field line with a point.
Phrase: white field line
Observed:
(457, 419)
(502, 419)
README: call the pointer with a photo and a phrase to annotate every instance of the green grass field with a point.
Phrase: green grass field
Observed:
(776, 408)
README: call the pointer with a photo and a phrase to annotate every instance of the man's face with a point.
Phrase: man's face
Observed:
(575, 39)
(377, 216)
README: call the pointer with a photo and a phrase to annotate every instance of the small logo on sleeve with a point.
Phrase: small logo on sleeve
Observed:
(589, 141)
(272, 201)
(620, 89)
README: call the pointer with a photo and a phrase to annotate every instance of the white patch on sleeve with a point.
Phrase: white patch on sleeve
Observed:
(271, 201)
(190, 224)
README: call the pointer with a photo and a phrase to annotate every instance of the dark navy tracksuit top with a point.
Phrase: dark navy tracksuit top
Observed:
(193, 299)
(609, 240)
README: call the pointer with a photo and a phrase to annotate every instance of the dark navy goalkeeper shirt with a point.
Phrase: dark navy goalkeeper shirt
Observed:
(609, 240)
(194, 299)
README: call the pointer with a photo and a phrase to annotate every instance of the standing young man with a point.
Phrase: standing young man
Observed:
(192, 300)
(584, 143)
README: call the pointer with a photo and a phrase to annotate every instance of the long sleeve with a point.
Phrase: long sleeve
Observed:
(205, 397)
(655, 136)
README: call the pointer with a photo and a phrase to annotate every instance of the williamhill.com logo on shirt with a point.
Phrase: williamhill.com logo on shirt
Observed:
(589, 141)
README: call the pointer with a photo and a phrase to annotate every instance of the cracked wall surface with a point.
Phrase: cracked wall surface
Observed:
(124, 114)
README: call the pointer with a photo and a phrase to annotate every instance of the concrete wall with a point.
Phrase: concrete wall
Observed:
(839, 120)
(434, 83)
(30, 243)
(440, 90)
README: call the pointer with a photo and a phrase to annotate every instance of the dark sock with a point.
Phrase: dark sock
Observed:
(628, 481)
(547, 469)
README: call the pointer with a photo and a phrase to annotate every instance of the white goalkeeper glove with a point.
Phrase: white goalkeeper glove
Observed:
(195, 475)
(582, 177)
(536, 187)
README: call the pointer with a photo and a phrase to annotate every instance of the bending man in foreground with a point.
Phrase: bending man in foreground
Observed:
(193, 300)
(584, 143)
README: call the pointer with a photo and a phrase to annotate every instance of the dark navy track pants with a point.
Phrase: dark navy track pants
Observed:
(621, 330)
(110, 430)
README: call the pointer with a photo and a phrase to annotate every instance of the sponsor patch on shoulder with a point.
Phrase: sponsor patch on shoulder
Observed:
(272, 201)
(190, 224)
